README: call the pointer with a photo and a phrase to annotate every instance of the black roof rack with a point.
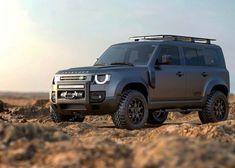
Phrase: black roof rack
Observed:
(173, 38)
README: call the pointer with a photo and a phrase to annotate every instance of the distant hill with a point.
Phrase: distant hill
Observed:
(24, 95)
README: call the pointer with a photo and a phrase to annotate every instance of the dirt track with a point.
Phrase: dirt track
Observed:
(29, 138)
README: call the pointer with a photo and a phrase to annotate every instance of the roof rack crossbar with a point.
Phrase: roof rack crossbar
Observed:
(173, 38)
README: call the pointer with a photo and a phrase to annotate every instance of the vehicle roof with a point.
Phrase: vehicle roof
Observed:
(171, 42)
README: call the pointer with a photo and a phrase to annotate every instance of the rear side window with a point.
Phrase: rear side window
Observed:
(171, 51)
(194, 57)
(213, 58)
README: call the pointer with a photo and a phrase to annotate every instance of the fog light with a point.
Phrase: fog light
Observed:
(97, 97)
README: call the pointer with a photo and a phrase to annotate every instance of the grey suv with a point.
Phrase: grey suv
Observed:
(141, 81)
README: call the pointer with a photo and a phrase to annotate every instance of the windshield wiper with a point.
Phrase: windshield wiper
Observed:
(122, 63)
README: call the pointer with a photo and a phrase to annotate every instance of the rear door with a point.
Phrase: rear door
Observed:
(170, 79)
(202, 65)
(197, 73)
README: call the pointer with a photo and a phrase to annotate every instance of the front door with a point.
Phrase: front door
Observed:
(170, 78)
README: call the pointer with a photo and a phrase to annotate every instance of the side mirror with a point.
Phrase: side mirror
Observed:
(157, 65)
(166, 59)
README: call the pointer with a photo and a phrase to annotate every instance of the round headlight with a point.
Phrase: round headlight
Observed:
(102, 79)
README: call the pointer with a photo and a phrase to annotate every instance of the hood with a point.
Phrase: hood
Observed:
(93, 69)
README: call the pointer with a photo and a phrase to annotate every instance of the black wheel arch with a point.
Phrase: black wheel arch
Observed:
(138, 86)
(216, 85)
(212, 86)
(221, 88)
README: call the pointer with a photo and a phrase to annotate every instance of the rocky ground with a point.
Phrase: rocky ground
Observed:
(28, 138)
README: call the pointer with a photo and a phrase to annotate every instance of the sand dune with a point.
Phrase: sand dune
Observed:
(29, 138)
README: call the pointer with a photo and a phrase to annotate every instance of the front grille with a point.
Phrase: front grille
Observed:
(71, 86)
(79, 78)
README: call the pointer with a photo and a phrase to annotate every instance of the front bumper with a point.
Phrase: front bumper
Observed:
(86, 104)
(108, 106)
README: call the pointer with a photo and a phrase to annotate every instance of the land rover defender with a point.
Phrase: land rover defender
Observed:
(141, 81)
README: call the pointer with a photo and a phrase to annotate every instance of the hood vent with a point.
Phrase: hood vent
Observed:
(74, 72)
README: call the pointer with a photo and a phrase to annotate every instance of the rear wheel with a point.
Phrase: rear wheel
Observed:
(157, 117)
(57, 117)
(132, 112)
(216, 108)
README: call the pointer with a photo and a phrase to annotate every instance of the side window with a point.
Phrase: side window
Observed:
(212, 58)
(171, 51)
(194, 57)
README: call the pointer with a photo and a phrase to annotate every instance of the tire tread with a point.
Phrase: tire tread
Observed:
(119, 117)
(206, 115)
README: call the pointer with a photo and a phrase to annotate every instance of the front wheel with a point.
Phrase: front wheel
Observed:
(157, 117)
(132, 112)
(216, 108)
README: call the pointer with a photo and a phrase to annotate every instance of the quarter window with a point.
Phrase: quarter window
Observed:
(212, 58)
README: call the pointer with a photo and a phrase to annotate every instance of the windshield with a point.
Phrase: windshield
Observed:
(126, 54)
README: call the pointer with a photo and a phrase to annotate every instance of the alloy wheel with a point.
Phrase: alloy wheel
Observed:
(220, 108)
(136, 111)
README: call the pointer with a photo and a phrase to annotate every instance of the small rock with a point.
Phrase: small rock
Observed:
(1, 118)
(172, 128)
(23, 121)
(2, 106)
(60, 136)
(24, 153)
(3, 146)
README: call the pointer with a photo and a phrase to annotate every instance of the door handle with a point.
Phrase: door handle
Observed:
(204, 74)
(179, 74)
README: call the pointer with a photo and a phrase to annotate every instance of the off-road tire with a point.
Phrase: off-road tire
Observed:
(153, 119)
(121, 118)
(57, 117)
(76, 118)
(208, 114)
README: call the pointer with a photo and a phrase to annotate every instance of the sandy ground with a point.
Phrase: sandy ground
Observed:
(28, 138)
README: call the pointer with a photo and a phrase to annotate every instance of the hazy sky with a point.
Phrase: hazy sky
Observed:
(37, 38)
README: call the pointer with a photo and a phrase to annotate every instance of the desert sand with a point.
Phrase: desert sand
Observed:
(28, 138)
